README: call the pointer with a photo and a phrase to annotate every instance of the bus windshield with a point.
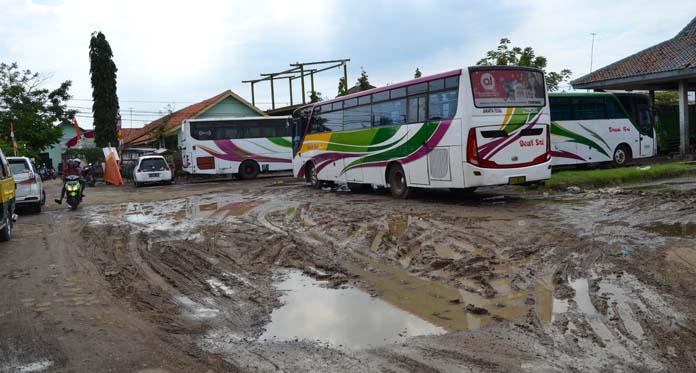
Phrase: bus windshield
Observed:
(240, 129)
(499, 87)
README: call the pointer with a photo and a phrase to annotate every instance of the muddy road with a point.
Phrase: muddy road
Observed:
(269, 275)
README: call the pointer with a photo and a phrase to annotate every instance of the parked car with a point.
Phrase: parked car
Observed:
(7, 199)
(30, 190)
(151, 169)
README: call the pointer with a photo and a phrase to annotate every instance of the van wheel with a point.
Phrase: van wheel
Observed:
(135, 183)
(397, 182)
(37, 208)
(249, 170)
(6, 233)
(312, 177)
(622, 155)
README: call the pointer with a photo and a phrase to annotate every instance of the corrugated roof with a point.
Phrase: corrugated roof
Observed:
(674, 54)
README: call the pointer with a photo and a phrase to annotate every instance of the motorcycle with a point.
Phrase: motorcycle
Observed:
(73, 189)
(43, 172)
(89, 174)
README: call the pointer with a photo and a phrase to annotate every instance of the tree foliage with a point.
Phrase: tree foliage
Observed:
(314, 96)
(667, 98)
(363, 82)
(105, 107)
(417, 74)
(35, 112)
(516, 56)
(342, 87)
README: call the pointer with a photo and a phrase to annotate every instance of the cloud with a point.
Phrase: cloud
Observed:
(184, 51)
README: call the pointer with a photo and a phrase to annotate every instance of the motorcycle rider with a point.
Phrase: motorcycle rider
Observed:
(72, 169)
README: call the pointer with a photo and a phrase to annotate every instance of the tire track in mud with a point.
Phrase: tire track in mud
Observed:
(497, 251)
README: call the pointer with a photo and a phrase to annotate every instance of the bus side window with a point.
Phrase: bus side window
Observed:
(416, 109)
(442, 105)
(357, 118)
(560, 108)
(586, 108)
(389, 112)
(614, 111)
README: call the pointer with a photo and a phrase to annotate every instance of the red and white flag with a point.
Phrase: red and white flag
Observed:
(12, 137)
(77, 132)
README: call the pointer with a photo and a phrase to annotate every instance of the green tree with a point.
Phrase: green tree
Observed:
(667, 98)
(418, 74)
(314, 96)
(105, 107)
(34, 111)
(516, 56)
(363, 82)
(342, 87)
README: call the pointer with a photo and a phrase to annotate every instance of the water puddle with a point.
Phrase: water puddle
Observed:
(344, 318)
(443, 305)
(686, 230)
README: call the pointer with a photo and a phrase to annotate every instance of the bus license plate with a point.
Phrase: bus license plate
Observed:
(153, 175)
(517, 180)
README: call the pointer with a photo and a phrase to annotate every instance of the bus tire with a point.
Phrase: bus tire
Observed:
(622, 155)
(6, 232)
(312, 177)
(249, 170)
(397, 182)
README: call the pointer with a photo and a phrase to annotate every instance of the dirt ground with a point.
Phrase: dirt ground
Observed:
(185, 278)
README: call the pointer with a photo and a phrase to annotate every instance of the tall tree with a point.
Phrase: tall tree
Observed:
(363, 82)
(33, 110)
(342, 87)
(105, 107)
(516, 56)
(418, 74)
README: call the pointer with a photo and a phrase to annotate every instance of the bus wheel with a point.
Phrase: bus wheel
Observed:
(397, 182)
(248, 170)
(312, 177)
(622, 155)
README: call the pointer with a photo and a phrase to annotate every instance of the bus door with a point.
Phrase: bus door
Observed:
(647, 132)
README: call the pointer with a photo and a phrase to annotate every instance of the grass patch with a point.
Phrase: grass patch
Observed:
(616, 176)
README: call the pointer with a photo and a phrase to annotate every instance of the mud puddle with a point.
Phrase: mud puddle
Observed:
(452, 309)
(685, 230)
(343, 318)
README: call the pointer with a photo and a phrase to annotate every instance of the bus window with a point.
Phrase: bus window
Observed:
(333, 121)
(388, 113)
(416, 109)
(357, 118)
(442, 105)
(588, 108)
(560, 108)
(614, 111)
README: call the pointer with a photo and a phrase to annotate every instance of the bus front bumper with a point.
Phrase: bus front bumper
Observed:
(477, 176)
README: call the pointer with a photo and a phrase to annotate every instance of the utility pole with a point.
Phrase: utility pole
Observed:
(131, 117)
(592, 50)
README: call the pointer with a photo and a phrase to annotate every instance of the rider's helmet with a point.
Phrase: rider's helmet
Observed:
(69, 162)
(76, 161)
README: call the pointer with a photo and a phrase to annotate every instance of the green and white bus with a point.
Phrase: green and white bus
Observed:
(480, 126)
(600, 127)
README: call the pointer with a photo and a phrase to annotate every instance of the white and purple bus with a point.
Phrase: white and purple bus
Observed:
(241, 146)
(481, 126)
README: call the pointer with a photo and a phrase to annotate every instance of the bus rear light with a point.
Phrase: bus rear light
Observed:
(548, 142)
(472, 148)
(477, 173)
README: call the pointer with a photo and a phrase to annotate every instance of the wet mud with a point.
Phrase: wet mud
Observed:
(289, 278)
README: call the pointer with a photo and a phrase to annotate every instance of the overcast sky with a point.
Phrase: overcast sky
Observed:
(180, 52)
